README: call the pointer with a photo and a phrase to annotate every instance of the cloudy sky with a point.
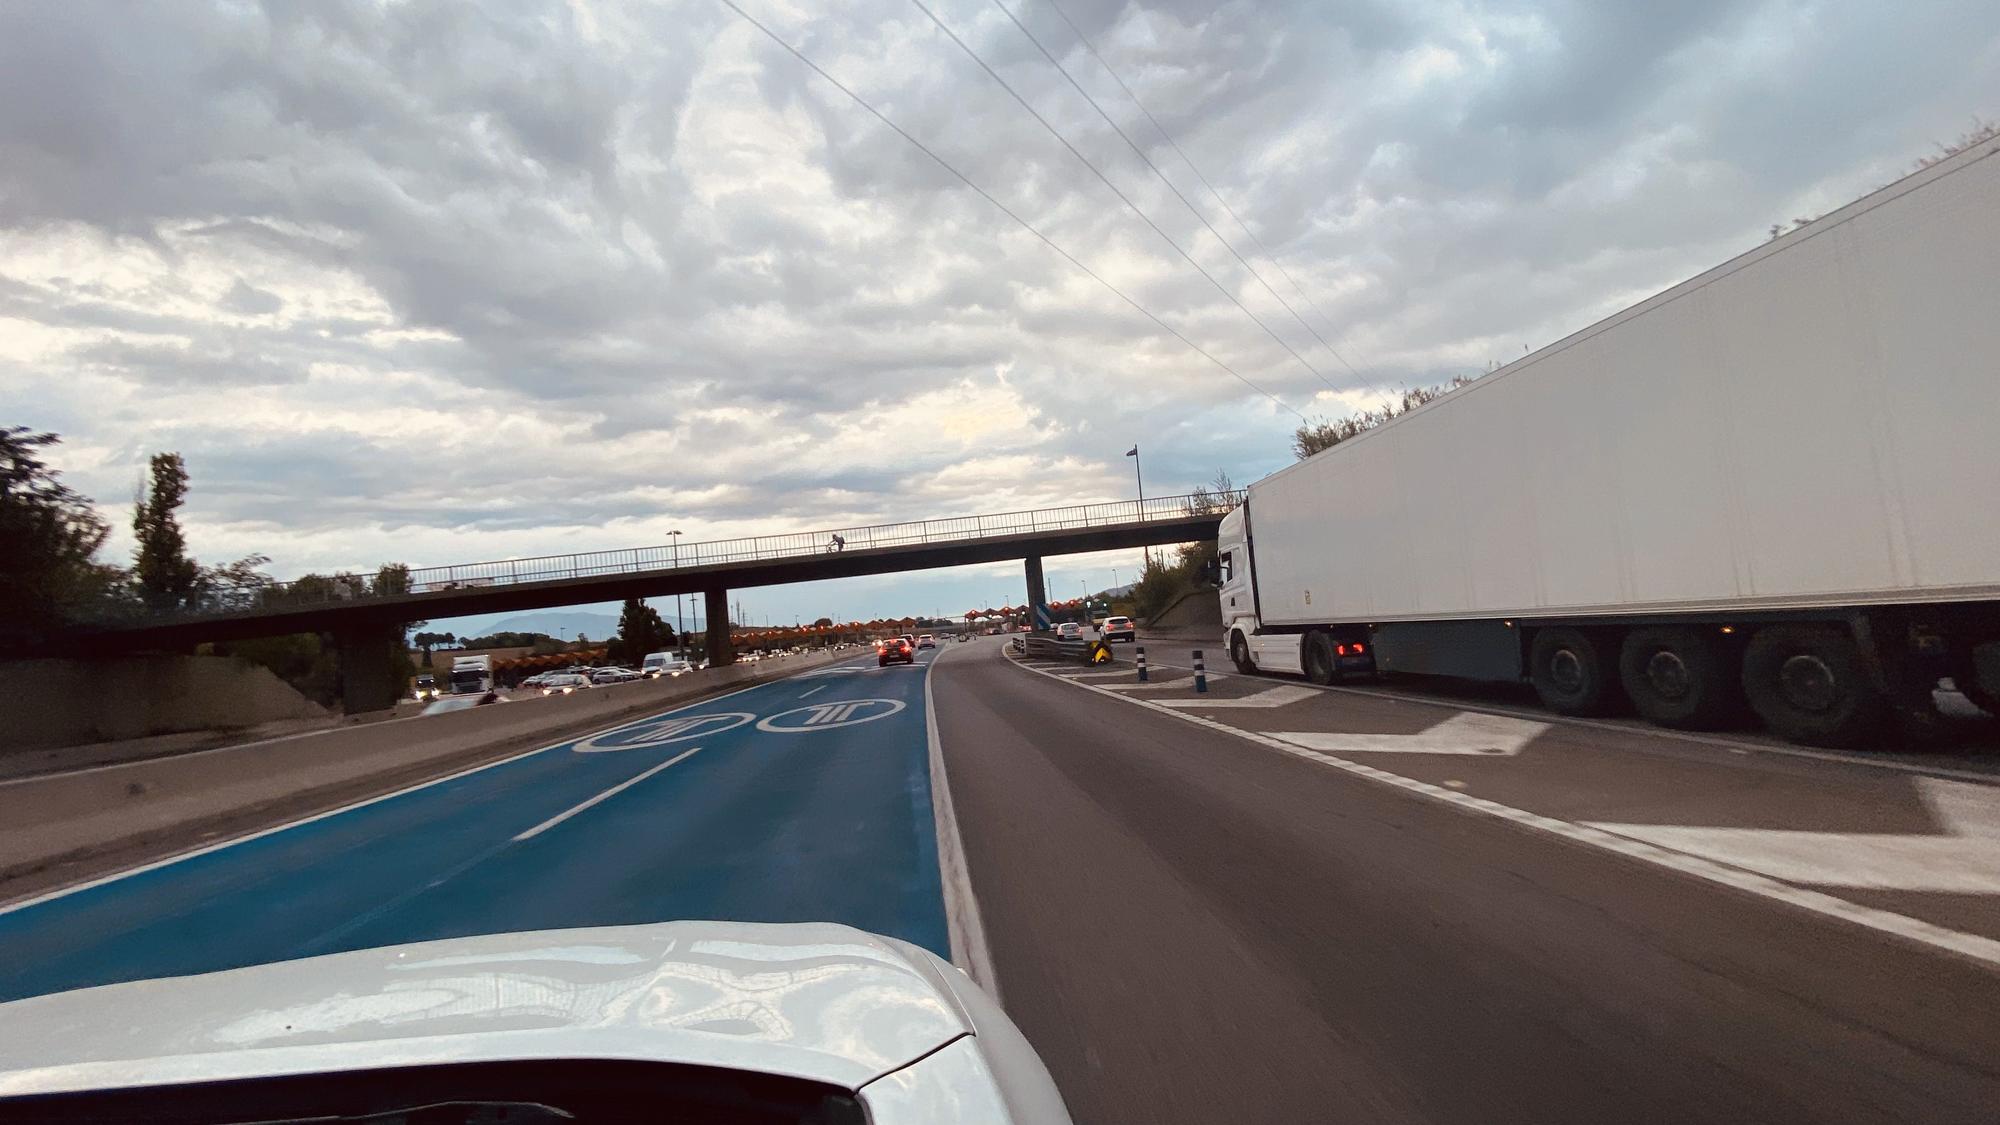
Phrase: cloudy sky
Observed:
(419, 282)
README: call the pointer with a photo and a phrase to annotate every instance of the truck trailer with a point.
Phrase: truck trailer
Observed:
(1775, 485)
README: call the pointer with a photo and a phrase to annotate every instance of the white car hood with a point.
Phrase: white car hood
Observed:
(813, 1000)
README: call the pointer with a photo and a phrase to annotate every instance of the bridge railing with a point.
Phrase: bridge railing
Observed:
(392, 582)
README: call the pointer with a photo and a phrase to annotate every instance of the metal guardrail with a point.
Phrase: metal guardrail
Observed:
(396, 582)
(1055, 648)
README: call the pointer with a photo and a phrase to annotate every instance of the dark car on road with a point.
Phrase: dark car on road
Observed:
(895, 650)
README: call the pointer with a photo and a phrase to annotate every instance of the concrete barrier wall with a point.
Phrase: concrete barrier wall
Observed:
(1196, 609)
(45, 703)
(64, 819)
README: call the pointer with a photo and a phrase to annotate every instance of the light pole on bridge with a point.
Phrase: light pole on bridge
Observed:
(680, 623)
(1140, 477)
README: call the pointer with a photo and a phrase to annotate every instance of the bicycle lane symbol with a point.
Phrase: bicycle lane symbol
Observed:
(674, 728)
(832, 714)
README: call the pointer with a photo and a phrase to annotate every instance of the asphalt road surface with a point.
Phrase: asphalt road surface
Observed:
(1262, 902)
(1193, 925)
(803, 799)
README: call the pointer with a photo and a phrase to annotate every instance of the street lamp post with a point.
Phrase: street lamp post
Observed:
(680, 623)
(1140, 477)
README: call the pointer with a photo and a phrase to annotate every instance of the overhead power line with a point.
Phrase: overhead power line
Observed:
(1162, 176)
(1192, 167)
(1115, 190)
(1003, 208)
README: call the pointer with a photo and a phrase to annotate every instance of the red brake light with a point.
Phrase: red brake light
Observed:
(1359, 648)
(1340, 649)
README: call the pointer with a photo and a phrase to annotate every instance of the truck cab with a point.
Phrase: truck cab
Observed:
(1250, 649)
(1336, 654)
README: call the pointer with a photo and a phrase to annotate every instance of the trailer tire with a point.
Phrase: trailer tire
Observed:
(1316, 658)
(1810, 684)
(1965, 677)
(1679, 677)
(1570, 673)
(1239, 654)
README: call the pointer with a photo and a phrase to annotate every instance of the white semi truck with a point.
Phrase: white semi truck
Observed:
(1775, 484)
(471, 674)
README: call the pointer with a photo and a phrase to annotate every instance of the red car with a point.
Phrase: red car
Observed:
(895, 650)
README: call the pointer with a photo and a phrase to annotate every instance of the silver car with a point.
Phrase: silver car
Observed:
(672, 1021)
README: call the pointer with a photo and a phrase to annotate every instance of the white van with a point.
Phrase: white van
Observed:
(659, 664)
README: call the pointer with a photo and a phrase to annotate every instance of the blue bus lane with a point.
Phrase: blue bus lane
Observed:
(803, 799)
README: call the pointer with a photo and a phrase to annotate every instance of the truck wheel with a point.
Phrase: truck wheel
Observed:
(1569, 672)
(1678, 677)
(1239, 654)
(1965, 675)
(1318, 659)
(1810, 684)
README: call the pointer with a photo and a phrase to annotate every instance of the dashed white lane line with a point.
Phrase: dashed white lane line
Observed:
(272, 830)
(1974, 947)
(605, 796)
(803, 694)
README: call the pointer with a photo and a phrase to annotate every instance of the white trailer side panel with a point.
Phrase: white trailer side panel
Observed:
(1816, 422)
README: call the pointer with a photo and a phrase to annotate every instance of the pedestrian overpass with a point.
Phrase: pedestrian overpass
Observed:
(366, 615)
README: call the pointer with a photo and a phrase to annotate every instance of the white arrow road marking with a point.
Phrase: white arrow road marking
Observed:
(1964, 859)
(1464, 733)
(1273, 697)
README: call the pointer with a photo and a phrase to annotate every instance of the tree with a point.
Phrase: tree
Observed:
(307, 661)
(237, 585)
(823, 623)
(427, 642)
(507, 640)
(48, 572)
(392, 578)
(640, 631)
(1980, 133)
(1318, 437)
(168, 578)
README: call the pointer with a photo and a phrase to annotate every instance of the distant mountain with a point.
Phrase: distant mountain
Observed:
(562, 624)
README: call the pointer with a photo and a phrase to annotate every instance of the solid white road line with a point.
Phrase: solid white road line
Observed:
(1281, 696)
(967, 932)
(1974, 947)
(260, 833)
(803, 694)
(1464, 733)
(604, 796)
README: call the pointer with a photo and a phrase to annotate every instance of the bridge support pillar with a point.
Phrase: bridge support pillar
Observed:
(715, 610)
(1038, 595)
(367, 667)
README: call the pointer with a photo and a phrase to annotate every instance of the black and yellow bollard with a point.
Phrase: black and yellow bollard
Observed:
(1099, 653)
